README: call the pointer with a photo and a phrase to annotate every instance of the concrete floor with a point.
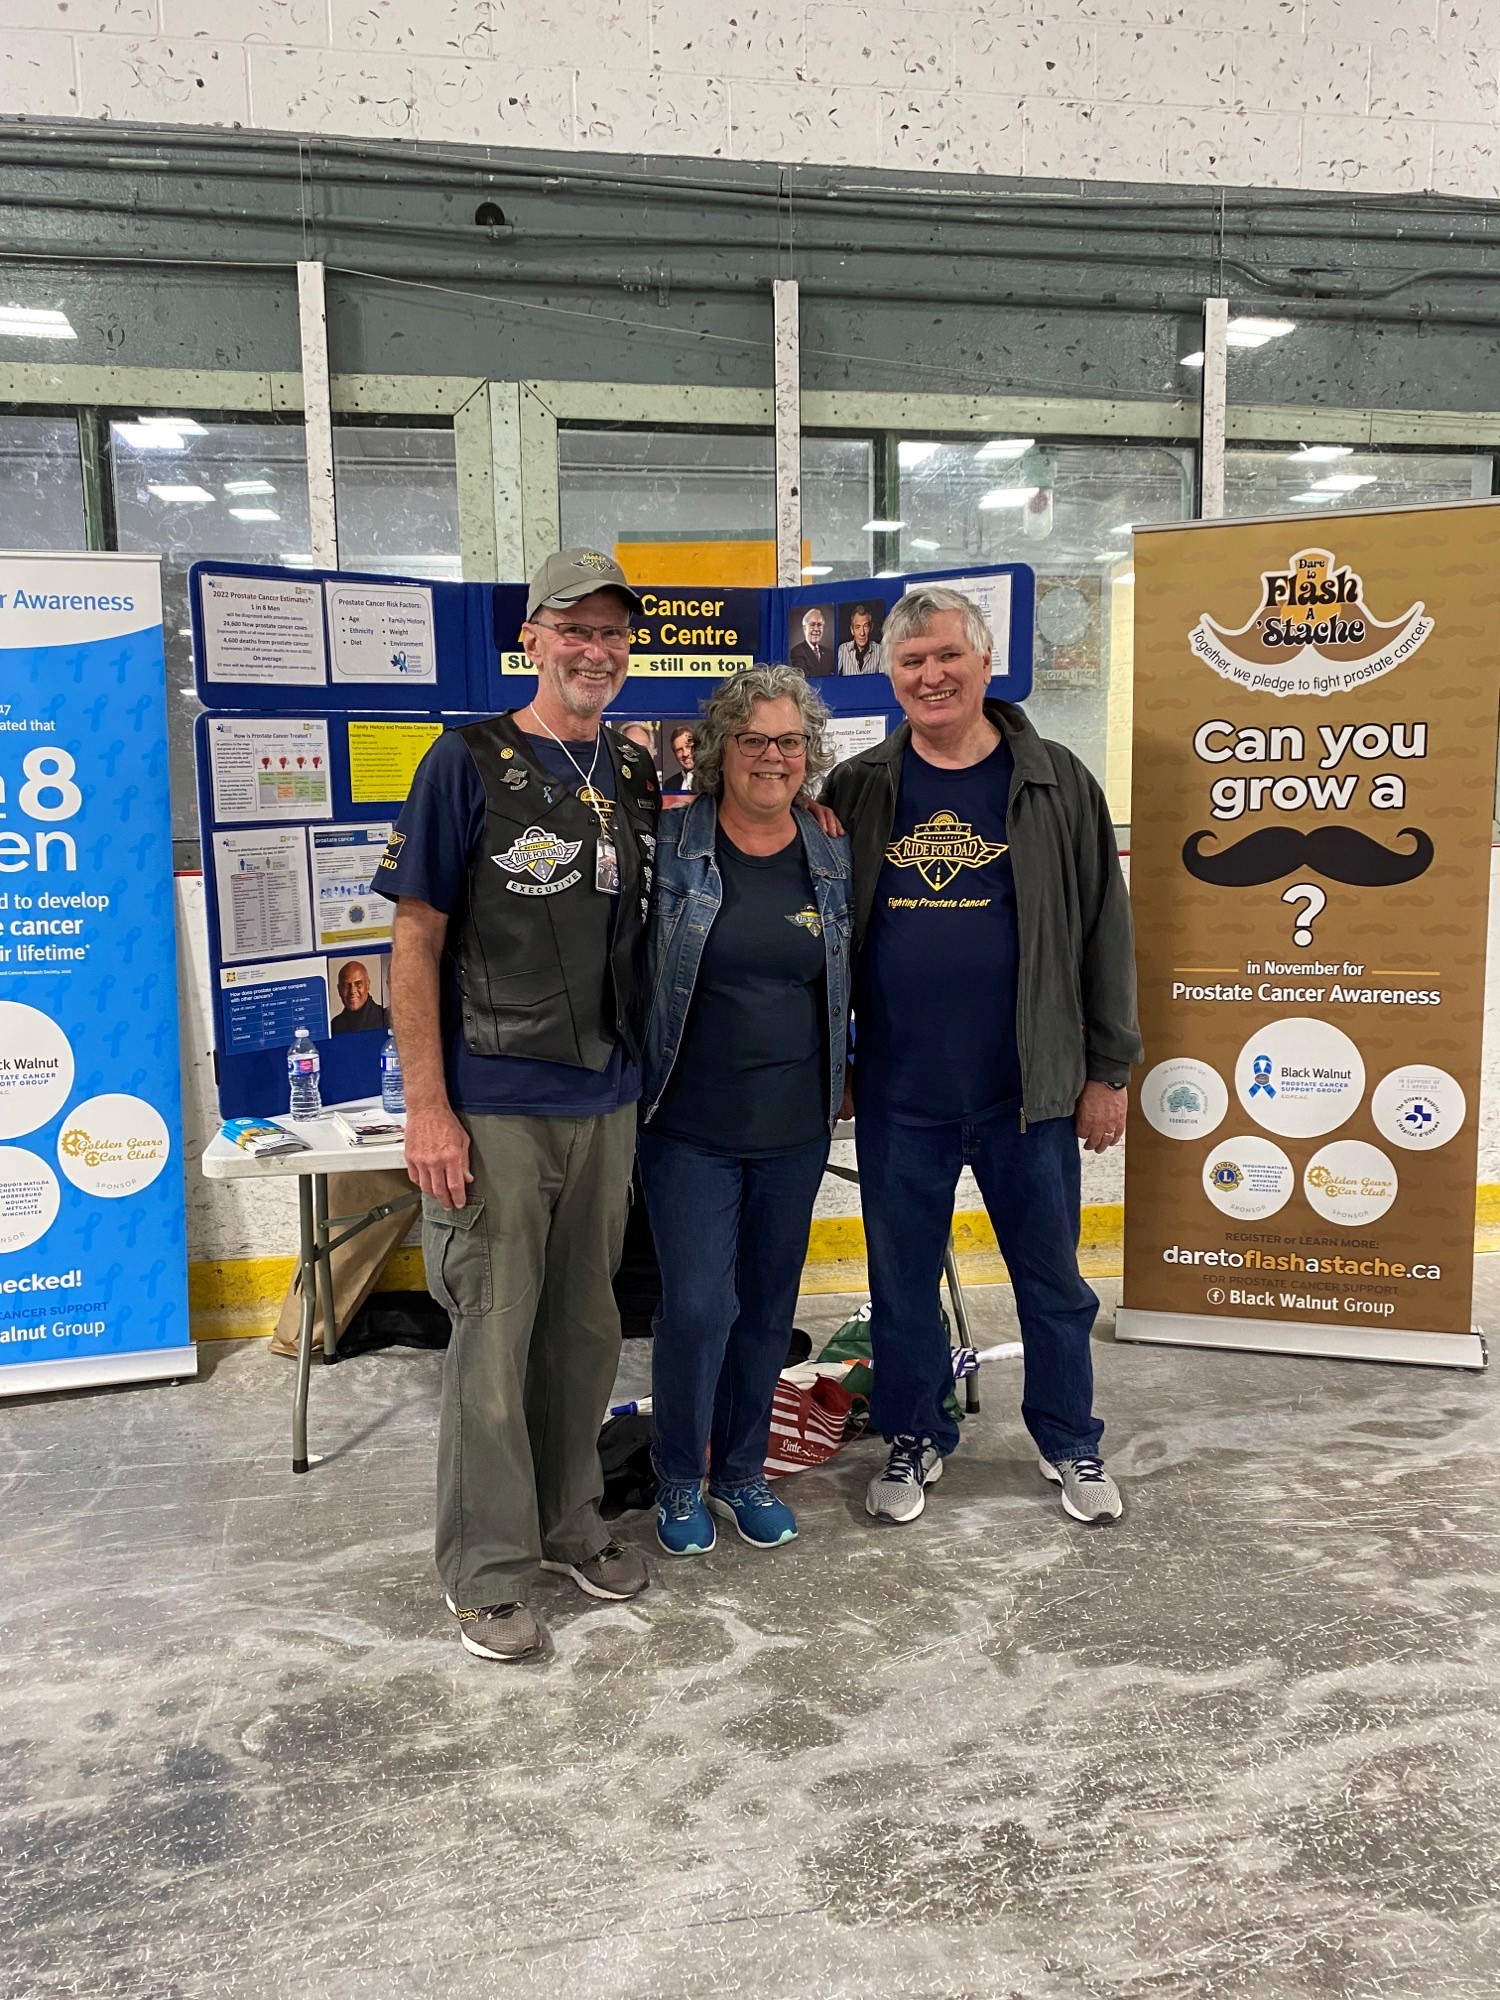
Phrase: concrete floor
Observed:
(1243, 1745)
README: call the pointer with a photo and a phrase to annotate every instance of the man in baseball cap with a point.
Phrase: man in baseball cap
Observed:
(521, 872)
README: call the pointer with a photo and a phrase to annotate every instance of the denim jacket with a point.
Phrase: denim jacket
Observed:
(686, 900)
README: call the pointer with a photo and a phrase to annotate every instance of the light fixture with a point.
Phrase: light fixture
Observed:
(197, 495)
(1192, 360)
(35, 323)
(1244, 330)
(1124, 528)
(1319, 454)
(917, 542)
(883, 527)
(890, 572)
(1343, 482)
(1127, 577)
(1005, 448)
(242, 487)
(1311, 499)
(817, 569)
(1007, 496)
(302, 560)
(255, 513)
(150, 437)
(912, 451)
(185, 426)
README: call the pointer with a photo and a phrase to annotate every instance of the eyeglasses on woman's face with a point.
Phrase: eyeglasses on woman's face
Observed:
(753, 743)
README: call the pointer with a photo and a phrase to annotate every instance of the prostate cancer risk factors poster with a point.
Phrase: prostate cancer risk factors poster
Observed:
(93, 1260)
(1315, 714)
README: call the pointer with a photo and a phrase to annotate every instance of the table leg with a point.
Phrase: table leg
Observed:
(307, 1258)
(325, 1268)
(961, 1323)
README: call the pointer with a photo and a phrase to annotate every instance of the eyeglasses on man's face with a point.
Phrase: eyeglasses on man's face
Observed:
(753, 744)
(615, 637)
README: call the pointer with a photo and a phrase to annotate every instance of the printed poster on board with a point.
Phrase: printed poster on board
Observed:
(1315, 713)
(93, 1252)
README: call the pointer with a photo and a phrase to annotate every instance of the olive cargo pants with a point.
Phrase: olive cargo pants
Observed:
(524, 1268)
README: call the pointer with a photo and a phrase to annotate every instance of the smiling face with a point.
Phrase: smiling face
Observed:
(940, 680)
(354, 986)
(579, 678)
(859, 628)
(764, 786)
(682, 748)
(812, 629)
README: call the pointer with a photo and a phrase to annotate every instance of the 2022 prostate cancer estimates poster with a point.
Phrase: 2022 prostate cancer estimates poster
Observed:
(93, 1262)
(1314, 781)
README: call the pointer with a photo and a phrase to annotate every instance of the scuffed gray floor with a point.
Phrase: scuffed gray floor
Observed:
(1242, 1746)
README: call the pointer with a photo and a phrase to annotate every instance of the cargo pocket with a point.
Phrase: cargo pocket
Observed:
(456, 1251)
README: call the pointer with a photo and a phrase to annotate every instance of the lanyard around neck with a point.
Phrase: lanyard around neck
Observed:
(586, 776)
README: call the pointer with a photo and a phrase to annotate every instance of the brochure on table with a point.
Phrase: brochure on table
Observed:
(93, 1243)
(322, 690)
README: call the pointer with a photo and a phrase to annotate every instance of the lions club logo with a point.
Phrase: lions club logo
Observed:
(1226, 1175)
(539, 854)
(940, 847)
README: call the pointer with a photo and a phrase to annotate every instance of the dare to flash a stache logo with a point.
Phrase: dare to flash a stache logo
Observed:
(1339, 853)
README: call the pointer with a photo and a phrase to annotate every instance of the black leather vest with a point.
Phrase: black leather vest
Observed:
(548, 965)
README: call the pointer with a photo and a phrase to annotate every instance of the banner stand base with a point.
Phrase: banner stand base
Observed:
(98, 1371)
(1281, 1336)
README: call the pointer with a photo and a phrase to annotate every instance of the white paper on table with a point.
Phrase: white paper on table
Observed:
(261, 881)
(344, 860)
(269, 770)
(992, 595)
(381, 632)
(263, 629)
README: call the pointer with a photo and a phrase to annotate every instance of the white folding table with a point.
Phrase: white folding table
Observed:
(329, 1152)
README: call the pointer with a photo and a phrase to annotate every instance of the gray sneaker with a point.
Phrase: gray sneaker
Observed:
(614, 1573)
(500, 1631)
(899, 1494)
(1088, 1492)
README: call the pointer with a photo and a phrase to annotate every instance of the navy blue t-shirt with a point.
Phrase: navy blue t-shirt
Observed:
(443, 823)
(935, 997)
(751, 1075)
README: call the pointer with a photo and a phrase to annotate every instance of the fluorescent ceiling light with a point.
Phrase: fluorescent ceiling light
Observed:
(150, 437)
(1192, 360)
(196, 494)
(1124, 528)
(1008, 496)
(299, 561)
(1128, 577)
(883, 527)
(918, 543)
(187, 426)
(1319, 454)
(817, 569)
(35, 323)
(1343, 482)
(1005, 448)
(911, 451)
(244, 486)
(255, 513)
(890, 572)
(1261, 329)
(1311, 499)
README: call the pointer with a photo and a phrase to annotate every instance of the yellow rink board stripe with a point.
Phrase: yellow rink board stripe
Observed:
(238, 1296)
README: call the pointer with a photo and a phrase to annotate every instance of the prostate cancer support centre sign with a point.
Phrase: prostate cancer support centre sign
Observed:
(93, 1254)
(1314, 786)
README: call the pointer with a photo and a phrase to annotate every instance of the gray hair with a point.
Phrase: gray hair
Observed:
(912, 615)
(729, 708)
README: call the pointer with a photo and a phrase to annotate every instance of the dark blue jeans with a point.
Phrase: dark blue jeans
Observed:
(1030, 1184)
(731, 1237)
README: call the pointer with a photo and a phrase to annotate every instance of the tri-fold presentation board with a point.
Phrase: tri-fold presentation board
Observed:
(322, 690)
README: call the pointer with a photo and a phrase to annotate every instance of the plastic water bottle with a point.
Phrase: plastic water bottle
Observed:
(392, 1090)
(302, 1070)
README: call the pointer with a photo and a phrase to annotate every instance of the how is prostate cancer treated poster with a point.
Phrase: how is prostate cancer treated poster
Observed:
(1315, 726)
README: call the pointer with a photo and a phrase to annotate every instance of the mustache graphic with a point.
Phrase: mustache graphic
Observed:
(1340, 853)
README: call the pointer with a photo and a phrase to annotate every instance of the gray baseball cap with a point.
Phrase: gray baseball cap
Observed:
(574, 573)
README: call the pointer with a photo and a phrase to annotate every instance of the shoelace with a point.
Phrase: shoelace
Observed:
(754, 1493)
(1089, 1471)
(678, 1503)
(905, 1462)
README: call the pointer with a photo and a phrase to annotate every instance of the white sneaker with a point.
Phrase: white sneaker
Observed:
(899, 1493)
(1088, 1492)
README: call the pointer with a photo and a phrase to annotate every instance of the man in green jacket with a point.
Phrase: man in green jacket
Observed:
(994, 1010)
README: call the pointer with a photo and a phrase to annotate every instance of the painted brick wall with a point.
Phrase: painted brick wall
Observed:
(1376, 95)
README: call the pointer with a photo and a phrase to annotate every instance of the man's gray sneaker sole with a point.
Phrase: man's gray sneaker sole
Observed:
(900, 1520)
(1105, 1520)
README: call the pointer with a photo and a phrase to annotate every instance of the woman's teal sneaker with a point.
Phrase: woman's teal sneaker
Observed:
(684, 1526)
(763, 1521)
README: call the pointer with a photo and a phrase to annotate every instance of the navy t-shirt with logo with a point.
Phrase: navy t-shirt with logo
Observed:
(441, 825)
(935, 996)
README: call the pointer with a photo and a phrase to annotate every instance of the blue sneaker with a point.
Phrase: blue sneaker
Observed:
(763, 1521)
(684, 1526)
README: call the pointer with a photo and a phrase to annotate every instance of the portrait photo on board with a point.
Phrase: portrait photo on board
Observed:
(356, 993)
(810, 640)
(859, 628)
(676, 753)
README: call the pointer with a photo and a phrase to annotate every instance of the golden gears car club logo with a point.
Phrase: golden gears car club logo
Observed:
(940, 847)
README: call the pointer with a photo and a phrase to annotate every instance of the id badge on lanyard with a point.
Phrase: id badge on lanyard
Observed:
(606, 867)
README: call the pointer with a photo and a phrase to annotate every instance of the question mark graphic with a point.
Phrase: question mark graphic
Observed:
(1310, 894)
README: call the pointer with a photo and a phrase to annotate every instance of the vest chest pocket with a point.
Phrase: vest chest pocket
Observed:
(456, 1251)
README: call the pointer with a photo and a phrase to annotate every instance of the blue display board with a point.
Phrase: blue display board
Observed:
(93, 1238)
(322, 688)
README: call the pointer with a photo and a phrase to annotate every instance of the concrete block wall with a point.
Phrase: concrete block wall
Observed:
(1374, 95)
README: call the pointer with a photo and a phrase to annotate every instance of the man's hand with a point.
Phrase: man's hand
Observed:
(1098, 1118)
(437, 1155)
(828, 820)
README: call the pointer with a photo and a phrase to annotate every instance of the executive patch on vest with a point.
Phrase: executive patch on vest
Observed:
(539, 854)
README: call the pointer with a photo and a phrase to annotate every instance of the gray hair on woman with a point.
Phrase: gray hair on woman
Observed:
(727, 713)
(911, 617)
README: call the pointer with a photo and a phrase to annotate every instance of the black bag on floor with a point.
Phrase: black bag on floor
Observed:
(629, 1476)
(396, 1319)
